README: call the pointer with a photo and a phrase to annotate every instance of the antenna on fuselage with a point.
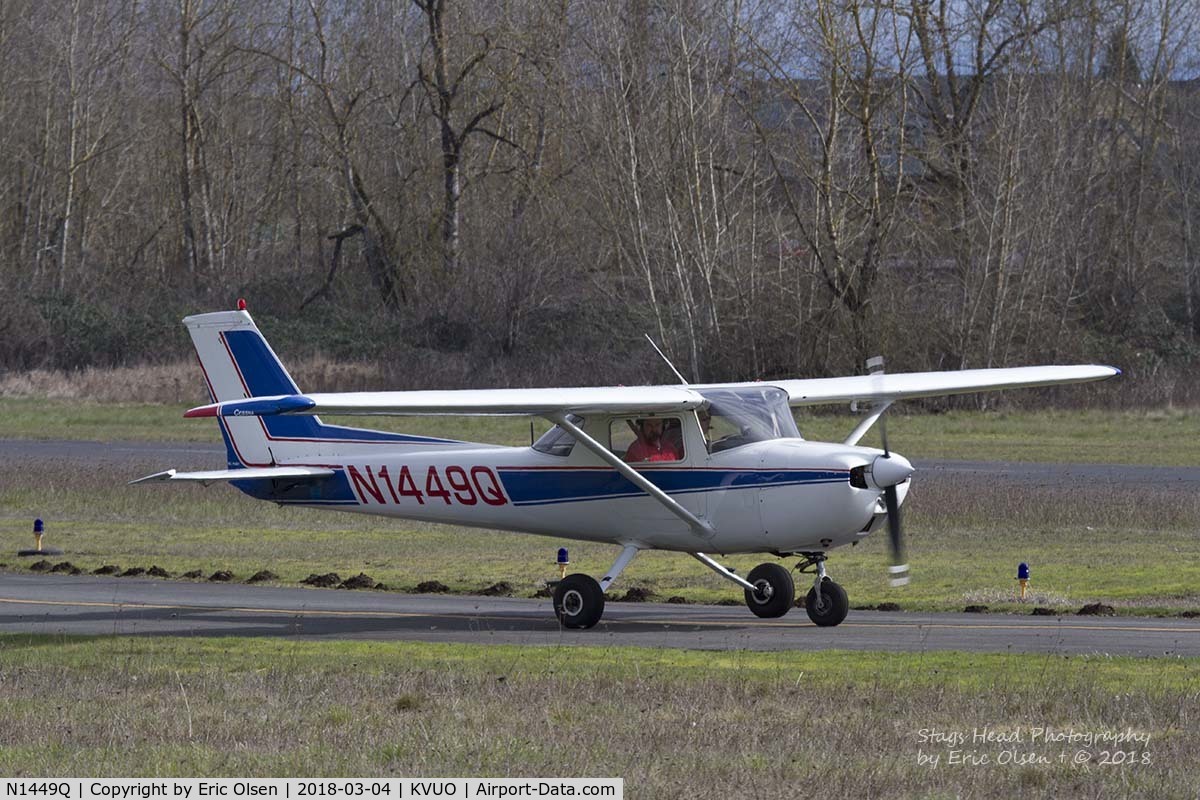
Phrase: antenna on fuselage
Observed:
(682, 380)
(663, 356)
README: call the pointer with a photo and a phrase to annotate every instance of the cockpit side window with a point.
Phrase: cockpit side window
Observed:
(557, 441)
(649, 438)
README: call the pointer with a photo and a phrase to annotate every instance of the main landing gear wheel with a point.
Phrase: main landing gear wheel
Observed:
(774, 590)
(578, 601)
(830, 608)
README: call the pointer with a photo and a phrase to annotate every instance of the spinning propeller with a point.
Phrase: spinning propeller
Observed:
(887, 472)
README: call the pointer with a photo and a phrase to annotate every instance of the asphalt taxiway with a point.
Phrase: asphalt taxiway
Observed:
(90, 605)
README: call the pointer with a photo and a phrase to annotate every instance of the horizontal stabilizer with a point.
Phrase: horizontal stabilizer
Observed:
(254, 473)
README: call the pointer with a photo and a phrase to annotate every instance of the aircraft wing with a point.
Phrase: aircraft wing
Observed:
(906, 385)
(524, 402)
(649, 399)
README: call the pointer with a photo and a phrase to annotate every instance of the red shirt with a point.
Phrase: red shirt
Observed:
(641, 451)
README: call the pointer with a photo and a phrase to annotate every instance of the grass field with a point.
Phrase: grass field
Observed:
(1163, 437)
(671, 723)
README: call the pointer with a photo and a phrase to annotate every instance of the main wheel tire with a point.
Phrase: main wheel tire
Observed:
(578, 601)
(832, 607)
(775, 593)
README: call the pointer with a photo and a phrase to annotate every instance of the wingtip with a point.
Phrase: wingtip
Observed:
(201, 411)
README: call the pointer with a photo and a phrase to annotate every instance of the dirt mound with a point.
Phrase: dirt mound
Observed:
(359, 581)
(501, 589)
(192, 574)
(107, 569)
(1042, 611)
(158, 572)
(976, 609)
(1188, 614)
(545, 591)
(432, 587)
(677, 600)
(1097, 610)
(63, 566)
(888, 607)
(638, 594)
(133, 572)
(221, 576)
(40, 566)
(382, 587)
(729, 601)
(262, 575)
(324, 581)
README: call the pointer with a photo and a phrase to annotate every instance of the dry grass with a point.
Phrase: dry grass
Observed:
(672, 724)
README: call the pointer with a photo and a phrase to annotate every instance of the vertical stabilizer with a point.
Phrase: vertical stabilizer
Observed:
(239, 363)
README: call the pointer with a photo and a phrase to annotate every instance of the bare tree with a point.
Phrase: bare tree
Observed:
(447, 79)
(839, 148)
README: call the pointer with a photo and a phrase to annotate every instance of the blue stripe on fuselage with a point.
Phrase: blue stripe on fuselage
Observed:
(540, 487)
(265, 377)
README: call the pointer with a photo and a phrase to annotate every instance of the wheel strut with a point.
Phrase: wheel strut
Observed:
(724, 572)
(814, 563)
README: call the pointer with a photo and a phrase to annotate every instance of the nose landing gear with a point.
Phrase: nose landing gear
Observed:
(826, 602)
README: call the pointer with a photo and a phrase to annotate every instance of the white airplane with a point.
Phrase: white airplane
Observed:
(698, 469)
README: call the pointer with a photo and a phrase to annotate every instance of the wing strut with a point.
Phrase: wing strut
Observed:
(698, 526)
(861, 429)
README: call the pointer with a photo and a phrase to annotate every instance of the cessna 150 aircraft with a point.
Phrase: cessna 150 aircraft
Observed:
(698, 469)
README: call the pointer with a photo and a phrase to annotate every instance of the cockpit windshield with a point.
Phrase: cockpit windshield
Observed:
(734, 417)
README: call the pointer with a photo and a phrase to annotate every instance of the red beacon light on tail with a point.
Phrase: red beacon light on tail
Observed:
(241, 304)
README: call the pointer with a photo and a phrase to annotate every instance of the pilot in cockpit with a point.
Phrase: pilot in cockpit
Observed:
(651, 444)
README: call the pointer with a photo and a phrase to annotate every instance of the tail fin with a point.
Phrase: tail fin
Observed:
(238, 363)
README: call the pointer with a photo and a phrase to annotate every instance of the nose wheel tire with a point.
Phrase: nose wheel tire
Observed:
(578, 601)
(830, 608)
(774, 590)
